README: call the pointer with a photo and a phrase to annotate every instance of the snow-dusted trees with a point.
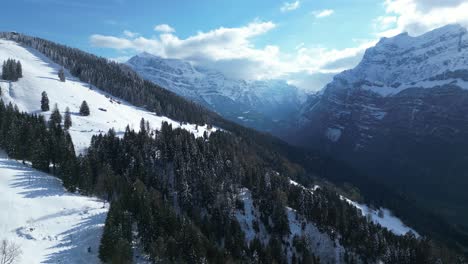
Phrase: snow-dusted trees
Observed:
(61, 74)
(55, 118)
(12, 70)
(84, 109)
(117, 236)
(44, 102)
(9, 252)
(67, 123)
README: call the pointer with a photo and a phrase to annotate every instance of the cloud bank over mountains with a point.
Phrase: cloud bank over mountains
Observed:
(233, 50)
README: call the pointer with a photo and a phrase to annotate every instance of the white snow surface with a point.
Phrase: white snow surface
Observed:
(405, 61)
(319, 242)
(388, 220)
(49, 224)
(41, 74)
(333, 134)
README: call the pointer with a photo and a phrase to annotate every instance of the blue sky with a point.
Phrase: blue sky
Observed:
(304, 41)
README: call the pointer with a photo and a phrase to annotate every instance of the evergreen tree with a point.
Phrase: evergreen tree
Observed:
(84, 109)
(12, 70)
(61, 74)
(19, 70)
(55, 118)
(44, 102)
(67, 123)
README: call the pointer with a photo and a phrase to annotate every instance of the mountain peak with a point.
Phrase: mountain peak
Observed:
(409, 59)
(146, 54)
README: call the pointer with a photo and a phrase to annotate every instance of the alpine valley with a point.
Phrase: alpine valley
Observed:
(401, 117)
(264, 105)
(147, 165)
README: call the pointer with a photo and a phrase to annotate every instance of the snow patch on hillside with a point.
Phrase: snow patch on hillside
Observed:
(41, 74)
(427, 84)
(383, 217)
(50, 224)
(333, 134)
(320, 243)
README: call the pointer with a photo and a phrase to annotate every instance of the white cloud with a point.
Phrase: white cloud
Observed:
(165, 28)
(120, 59)
(290, 6)
(130, 34)
(384, 22)
(323, 13)
(419, 16)
(232, 51)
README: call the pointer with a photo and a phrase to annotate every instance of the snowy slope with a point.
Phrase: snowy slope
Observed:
(50, 225)
(40, 74)
(321, 244)
(382, 216)
(385, 219)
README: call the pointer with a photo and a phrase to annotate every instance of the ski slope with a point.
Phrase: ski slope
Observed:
(41, 74)
(49, 224)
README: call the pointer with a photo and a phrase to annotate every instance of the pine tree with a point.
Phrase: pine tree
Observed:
(55, 118)
(12, 70)
(4, 71)
(19, 70)
(84, 109)
(61, 75)
(44, 102)
(67, 123)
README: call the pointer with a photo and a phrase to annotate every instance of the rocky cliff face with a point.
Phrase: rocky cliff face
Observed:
(401, 115)
(265, 105)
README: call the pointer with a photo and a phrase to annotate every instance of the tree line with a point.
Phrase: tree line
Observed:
(12, 70)
(180, 191)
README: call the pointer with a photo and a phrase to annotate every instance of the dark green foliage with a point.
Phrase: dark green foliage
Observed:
(12, 70)
(61, 74)
(168, 179)
(162, 181)
(117, 236)
(67, 123)
(55, 121)
(44, 102)
(27, 137)
(84, 109)
(180, 190)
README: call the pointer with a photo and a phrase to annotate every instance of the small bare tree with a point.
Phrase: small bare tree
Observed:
(9, 252)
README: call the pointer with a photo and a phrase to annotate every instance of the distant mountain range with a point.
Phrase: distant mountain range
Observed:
(402, 116)
(265, 105)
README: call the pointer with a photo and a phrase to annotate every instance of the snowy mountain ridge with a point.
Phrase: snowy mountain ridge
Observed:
(239, 100)
(403, 61)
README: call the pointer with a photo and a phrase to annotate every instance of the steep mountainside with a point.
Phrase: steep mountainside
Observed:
(402, 116)
(264, 105)
(180, 194)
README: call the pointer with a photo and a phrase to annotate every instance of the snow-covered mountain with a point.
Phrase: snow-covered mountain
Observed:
(264, 105)
(40, 74)
(401, 114)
